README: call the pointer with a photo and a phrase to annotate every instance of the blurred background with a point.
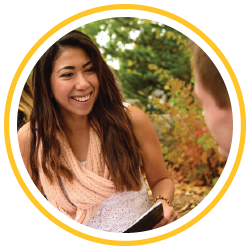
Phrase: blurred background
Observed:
(152, 64)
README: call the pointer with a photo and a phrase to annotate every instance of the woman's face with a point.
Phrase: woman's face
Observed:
(74, 83)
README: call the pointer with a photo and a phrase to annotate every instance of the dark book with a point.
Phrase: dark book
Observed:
(148, 220)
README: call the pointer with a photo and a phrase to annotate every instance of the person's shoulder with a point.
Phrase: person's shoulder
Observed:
(24, 131)
(139, 119)
(24, 135)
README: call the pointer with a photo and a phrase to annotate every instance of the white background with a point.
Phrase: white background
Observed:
(23, 23)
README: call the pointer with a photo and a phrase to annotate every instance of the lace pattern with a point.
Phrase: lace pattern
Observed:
(121, 210)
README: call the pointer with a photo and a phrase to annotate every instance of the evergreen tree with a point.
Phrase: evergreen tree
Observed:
(149, 53)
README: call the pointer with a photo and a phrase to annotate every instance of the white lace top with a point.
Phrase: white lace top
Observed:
(121, 210)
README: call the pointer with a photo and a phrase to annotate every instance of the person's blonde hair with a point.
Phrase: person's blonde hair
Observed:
(25, 104)
(210, 77)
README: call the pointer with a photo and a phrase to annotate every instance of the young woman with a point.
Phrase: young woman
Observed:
(84, 149)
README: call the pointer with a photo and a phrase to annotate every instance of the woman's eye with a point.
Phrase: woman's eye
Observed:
(89, 70)
(67, 75)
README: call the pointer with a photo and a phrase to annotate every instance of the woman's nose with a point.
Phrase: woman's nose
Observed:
(81, 82)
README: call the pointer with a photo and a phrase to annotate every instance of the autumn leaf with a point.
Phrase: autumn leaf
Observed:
(166, 87)
(220, 169)
(191, 143)
(188, 100)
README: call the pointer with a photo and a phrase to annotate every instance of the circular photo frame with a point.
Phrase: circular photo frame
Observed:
(153, 237)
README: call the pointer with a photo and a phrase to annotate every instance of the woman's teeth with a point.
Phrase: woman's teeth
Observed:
(82, 99)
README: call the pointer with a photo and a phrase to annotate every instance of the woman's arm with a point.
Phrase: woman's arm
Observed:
(24, 136)
(156, 171)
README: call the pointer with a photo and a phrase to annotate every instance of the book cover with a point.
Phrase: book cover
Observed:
(148, 220)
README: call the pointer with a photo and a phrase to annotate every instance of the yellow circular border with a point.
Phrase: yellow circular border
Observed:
(125, 7)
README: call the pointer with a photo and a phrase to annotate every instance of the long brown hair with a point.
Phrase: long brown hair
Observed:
(108, 117)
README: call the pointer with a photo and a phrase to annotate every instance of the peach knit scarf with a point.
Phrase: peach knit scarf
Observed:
(90, 187)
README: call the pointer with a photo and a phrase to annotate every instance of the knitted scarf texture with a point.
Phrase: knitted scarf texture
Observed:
(91, 185)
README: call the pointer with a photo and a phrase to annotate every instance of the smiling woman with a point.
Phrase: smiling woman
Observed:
(85, 150)
(74, 83)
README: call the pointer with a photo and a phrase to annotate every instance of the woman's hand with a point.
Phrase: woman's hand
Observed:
(169, 215)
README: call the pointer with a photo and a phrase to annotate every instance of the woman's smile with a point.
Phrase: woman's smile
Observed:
(74, 83)
(84, 99)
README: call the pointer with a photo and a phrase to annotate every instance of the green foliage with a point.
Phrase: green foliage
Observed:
(191, 155)
(148, 53)
(154, 56)
(214, 180)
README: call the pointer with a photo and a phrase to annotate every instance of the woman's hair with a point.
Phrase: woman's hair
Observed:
(210, 76)
(108, 117)
(25, 105)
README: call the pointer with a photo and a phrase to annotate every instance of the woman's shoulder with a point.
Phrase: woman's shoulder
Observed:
(140, 121)
(24, 135)
(24, 140)
(24, 132)
(137, 116)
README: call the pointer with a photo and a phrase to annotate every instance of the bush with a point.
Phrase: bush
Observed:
(189, 150)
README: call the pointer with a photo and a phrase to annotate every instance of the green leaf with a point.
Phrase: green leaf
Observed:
(170, 57)
(214, 180)
(200, 140)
